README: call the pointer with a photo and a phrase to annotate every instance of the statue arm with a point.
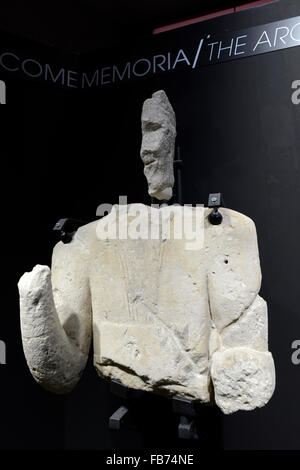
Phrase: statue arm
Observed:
(55, 310)
(242, 368)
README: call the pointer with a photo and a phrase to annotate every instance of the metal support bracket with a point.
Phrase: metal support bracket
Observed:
(64, 229)
(178, 164)
(121, 416)
(215, 201)
(115, 421)
(186, 410)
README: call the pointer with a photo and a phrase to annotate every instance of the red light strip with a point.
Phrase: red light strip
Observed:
(253, 4)
(180, 24)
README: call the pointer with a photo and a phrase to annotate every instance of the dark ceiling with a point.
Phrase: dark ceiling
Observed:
(82, 25)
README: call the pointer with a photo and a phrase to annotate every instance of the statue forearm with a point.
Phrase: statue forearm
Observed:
(54, 359)
(242, 368)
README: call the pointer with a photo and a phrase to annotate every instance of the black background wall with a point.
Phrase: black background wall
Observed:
(66, 151)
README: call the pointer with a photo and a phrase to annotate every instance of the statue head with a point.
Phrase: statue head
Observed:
(158, 143)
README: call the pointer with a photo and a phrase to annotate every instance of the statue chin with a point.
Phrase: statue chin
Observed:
(163, 194)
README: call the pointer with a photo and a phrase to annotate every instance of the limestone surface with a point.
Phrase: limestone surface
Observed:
(166, 315)
(158, 142)
(243, 378)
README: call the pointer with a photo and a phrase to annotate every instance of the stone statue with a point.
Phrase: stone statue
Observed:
(158, 142)
(165, 316)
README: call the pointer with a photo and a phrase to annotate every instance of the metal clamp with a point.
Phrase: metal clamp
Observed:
(215, 201)
(65, 229)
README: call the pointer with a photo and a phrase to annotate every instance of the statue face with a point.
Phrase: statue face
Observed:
(158, 142)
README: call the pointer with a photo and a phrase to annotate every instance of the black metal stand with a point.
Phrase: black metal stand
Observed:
(215, 201)
(178, 164)
(115, 421)
(180, 406)
(64, 229)
(187, 413)
(118, 418)
(121, 416)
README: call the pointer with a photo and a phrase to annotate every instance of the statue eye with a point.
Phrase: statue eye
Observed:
(150, 126)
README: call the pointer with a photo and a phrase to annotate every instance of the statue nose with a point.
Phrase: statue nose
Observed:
(149, 147)
(146, 152)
